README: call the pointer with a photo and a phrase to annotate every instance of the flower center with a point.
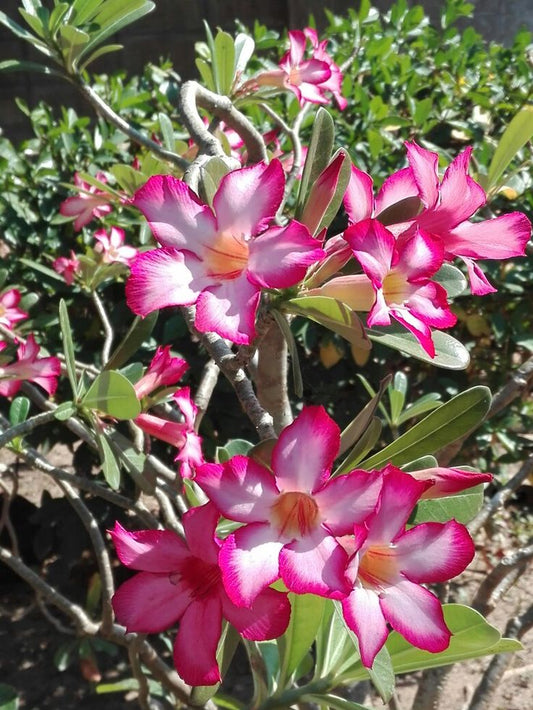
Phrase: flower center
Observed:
(227, 257)
(201, 578)
(378, 566)
(295, 514)
(395, 288)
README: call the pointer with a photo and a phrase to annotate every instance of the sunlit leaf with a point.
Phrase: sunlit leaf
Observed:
(224, 59)
(318, 155)
(462, 506)
(306, 617)
(516, 135)
(332, 314)
(450, 354)
(68, 346)
(449, 422)
(113, 394)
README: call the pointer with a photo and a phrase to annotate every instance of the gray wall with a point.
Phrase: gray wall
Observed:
(173, 27)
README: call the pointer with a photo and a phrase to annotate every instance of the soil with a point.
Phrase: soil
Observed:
(29, 641)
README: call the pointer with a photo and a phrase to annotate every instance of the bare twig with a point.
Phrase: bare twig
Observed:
(271, 377)
(108, 328)
(484, 694)
(493, 586)
(25, 427)
(205, 390)
(102, 108)
(135, 665)
(226, 360)
(193, 95)
(499, 499)
(5, 520)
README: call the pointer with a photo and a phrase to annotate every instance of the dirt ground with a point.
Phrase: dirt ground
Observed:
(29, 641)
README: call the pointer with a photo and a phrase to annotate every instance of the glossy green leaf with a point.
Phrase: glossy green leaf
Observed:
(68, 346)
(167, 131)
(472, 637)
(450, 353)
(306, 617)
(22, 65)
(19, 410)
(19, 31)
(100, 52)
(332, 314)
(235, 447)
(463, 507)
(449, 422)
(357, 427)
(318, 155)
(225, 62)
(8, 697)
(212, 172)
(34, 23)
(516, 135)
(205, 72)
(84, 10)
(140, 330)
(244, 49)
(113, 394)
(127, 177)
(426, 403)
(451, 279)
(114, 18)
(64, 411)
(57, 16)
(110, 465)
(397, 392)
(334, 649)
(420, 463)
(364, 445)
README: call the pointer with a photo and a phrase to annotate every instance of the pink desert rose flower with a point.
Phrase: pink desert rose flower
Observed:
(396, 282)
(179, 581)
(68, 267)
(415, 198)
(163, 370)
(388, 565)
(10, 314)
(220, 258)
(43, 371)
(111, 246)
(89, 203)
(308, 79)
(291, 515)
(178, 434)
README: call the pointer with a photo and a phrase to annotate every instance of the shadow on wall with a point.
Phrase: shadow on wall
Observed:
(175, 25)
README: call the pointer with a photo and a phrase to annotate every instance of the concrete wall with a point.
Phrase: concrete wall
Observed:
(173, 27)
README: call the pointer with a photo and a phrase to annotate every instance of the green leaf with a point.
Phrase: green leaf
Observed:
(397, 392)
(449, 422)
(364, 445)
(212, 172)
(64, 411)
(516, 135)
(318, 155)
(114, 17)
(451, 279)
(84, 10)
(8, 697)
(34, 22)
(43, 269)
(57, 16)
(18, 410)
(332, 314)
(357, 427)
(235, 447)
(306, 617)
(110, 465)
(244, 49)
(224, 60)
(100, 52)
(424, 404)
(22, 65)
(127, 177)
(450, 353)
(167, 131)
(463, 506)
(140, 330)
(68, 346)
(63, 655)
(472, 637)
(315, 203)
(113, 394)
(205, 72)
(72, 41)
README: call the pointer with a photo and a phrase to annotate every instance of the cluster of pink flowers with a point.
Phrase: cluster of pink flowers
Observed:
(403, 236)
(43, 371)
(342, 537)
(310, 78)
